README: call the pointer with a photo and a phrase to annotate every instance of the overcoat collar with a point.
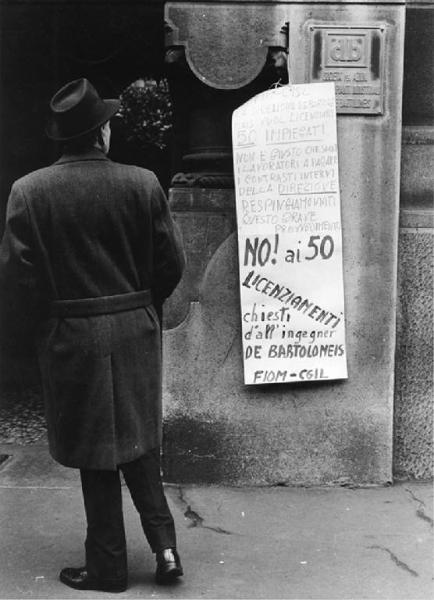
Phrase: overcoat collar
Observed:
(92, 154)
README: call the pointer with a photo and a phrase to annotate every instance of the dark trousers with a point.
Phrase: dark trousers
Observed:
(106, 554)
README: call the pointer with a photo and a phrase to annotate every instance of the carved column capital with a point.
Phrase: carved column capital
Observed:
(226, 45)
(218, 55)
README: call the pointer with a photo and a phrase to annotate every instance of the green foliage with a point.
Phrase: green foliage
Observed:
(146, 110)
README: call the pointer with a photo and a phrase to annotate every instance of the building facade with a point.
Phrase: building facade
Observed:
(375, 426)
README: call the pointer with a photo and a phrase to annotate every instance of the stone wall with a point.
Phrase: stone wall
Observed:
(217, 429)
(413, 412)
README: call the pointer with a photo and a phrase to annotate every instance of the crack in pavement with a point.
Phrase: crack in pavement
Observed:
(420, 512)
(195, 519)
(399, 563)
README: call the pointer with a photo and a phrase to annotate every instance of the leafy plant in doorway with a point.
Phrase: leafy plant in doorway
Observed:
(146, 110)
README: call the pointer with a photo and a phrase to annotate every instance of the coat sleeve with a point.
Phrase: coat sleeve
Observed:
(169, 257)
(19, 284)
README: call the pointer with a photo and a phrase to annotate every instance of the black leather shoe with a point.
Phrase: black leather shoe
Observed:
(168, 566)
(80, 579)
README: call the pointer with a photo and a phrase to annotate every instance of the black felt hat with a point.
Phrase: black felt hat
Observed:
(76, 109)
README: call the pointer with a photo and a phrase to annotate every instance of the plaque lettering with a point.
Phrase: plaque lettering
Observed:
(344, 49)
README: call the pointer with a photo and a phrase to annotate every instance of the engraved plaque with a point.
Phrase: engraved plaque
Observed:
(351, 57)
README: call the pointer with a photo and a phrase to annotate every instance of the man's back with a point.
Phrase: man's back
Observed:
(95, 226)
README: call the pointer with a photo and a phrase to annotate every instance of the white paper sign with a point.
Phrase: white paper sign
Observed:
(289, 235)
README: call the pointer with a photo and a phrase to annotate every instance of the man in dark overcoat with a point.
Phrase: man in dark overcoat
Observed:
(91, 249)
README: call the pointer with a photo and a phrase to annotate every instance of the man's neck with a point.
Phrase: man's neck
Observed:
(101, 148)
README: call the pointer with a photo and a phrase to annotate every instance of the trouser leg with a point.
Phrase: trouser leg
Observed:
(106, 554)
(143, 478)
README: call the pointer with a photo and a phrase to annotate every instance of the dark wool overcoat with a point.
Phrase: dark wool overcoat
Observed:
(87, 227)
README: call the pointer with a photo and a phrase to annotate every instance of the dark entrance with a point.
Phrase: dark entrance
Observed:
(44, 44)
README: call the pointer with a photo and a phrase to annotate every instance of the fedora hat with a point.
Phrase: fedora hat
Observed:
(76, 109)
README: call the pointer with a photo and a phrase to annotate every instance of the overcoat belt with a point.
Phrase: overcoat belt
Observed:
(88, 307)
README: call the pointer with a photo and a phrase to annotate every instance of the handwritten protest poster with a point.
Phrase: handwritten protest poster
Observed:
(289, 235)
